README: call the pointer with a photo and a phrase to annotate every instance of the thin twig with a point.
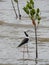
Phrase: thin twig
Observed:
(18, 10)
(14, 9)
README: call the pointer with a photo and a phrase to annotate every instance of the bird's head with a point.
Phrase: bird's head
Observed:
(26, 34)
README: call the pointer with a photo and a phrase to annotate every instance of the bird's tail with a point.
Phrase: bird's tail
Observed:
(20, 45)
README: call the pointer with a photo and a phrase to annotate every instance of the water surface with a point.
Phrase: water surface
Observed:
(12, 33)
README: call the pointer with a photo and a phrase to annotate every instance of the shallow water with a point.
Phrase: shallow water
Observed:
(12, 33)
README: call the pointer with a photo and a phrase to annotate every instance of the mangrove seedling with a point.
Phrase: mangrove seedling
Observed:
(18, 9)
(34, 15)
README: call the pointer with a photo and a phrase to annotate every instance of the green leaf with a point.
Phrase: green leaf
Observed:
(39, 18)
(16, 0)
(38, 10)
(32, 12)
(26, 10)
(38, 22)
(37, 15)
(29, 5)
(32, 2)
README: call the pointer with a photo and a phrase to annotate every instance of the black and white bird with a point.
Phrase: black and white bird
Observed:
(25, 40)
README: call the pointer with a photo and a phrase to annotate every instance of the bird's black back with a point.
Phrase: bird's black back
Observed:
(23, 42)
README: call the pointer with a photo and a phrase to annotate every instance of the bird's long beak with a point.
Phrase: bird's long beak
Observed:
(26, 34)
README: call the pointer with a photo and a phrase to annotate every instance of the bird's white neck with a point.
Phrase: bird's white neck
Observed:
(26, 37)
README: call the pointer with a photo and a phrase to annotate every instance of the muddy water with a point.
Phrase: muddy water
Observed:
(12, 33)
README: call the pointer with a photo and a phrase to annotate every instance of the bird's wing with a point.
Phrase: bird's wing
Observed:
(23, 42)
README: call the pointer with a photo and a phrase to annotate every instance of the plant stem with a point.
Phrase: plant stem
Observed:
(18, 10)
(14, 9)
(36, 43)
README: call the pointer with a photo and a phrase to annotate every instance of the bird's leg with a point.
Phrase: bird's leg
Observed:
(23, 54)
(27, 50)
